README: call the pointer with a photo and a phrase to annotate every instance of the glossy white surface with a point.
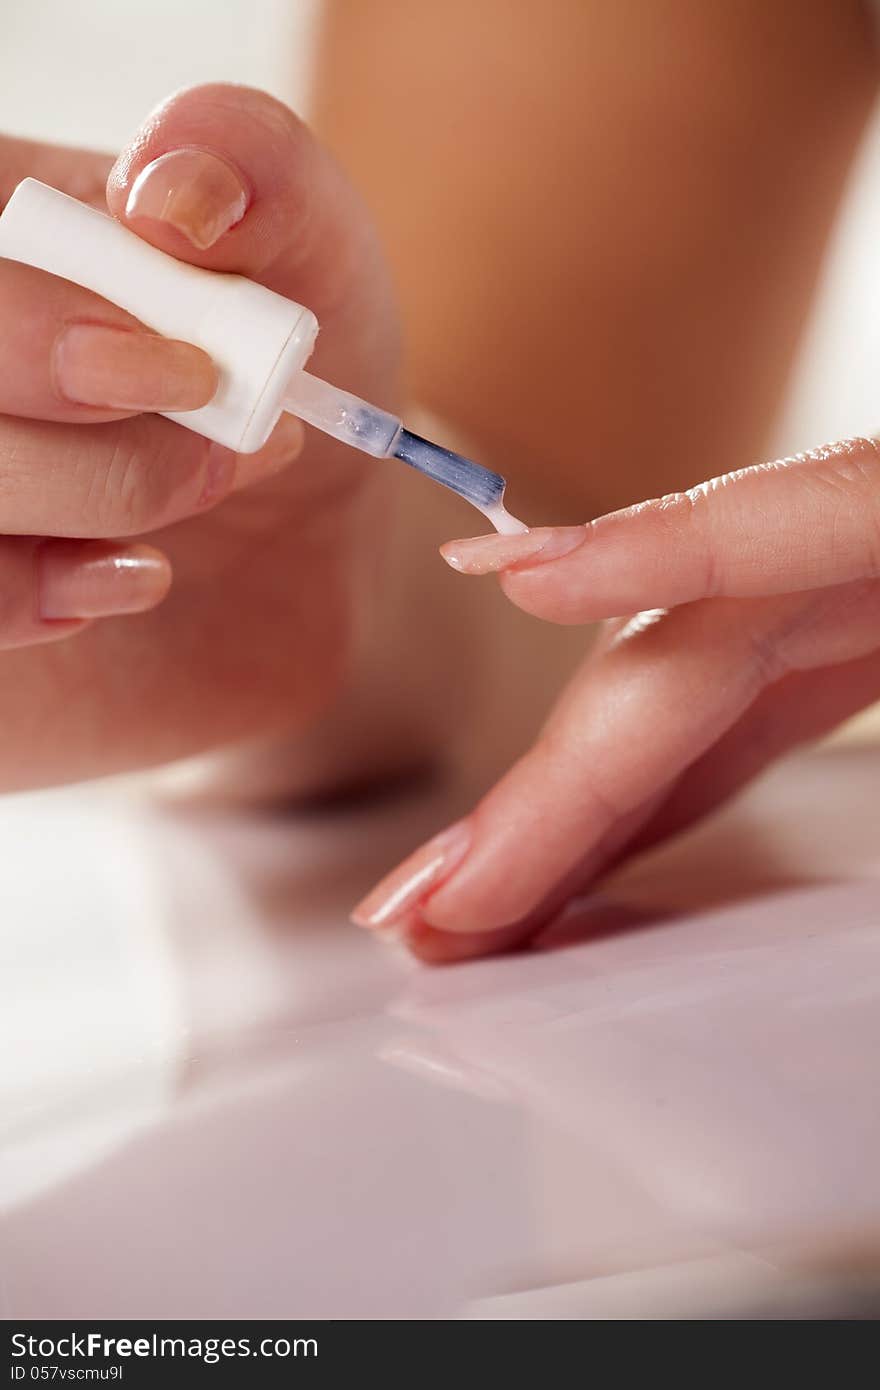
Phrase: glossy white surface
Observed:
(218, 1099)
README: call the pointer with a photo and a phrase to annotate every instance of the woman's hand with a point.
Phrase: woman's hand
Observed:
(268, 589)
(759, 628)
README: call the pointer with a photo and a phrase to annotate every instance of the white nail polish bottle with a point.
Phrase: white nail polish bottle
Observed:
(258, 340)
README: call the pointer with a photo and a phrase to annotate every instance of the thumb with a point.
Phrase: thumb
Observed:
(230, 179)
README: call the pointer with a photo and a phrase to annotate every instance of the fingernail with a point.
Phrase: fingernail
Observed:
(489, 554)
(410, 883)
(436, 947)
(107, 580)
(124, 369)
(194, 191)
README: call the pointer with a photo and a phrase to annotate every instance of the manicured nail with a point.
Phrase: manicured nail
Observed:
(125, 369)
(489, 554)
(98, 580)
(411, 882)
(193, 191)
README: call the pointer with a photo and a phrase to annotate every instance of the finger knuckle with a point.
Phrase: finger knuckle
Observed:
(690, 514)
(562, 747)
(847, 480)
(135, 490)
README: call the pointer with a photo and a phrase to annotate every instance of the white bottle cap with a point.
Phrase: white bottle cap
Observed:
(257, 339)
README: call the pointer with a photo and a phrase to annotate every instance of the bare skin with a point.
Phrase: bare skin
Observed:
(625, 209)
(292, 637)
(762, 632)
(238, 647)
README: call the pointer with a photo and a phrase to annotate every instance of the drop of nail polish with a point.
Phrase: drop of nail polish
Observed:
(505, 524)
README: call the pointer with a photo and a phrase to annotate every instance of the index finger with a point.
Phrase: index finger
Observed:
(783, 527)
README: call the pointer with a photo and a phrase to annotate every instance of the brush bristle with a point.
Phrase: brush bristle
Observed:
(478, 485)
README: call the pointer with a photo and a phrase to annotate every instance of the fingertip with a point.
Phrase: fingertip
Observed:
(501, 553)
(228, 178)
(539, 571)
(155, 574)
(194, 193)
(217, 175)
(551, 596)
(432, 946)
(458, 553)
(204, 375)
(79, 581)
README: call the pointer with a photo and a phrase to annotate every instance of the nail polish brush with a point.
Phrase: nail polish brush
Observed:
(259, 341)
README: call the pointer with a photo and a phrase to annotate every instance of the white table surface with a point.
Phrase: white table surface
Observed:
(218, 1099)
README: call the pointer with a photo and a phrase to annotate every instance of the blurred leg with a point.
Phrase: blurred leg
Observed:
(606, 219)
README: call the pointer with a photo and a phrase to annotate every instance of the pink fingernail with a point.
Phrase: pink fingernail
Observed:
(107, 580)
(123, 369)
(411, 882)
(489, 554)
(194, 191)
